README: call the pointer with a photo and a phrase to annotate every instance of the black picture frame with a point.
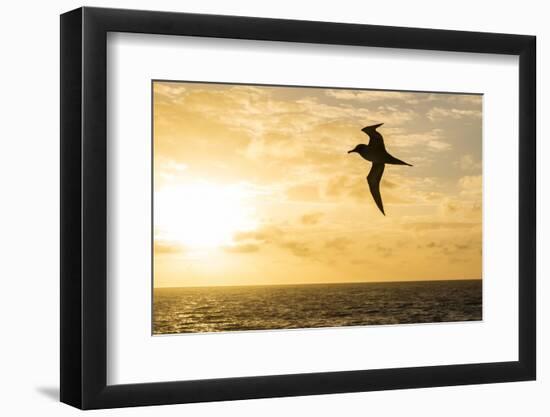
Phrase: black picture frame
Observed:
(84, 207)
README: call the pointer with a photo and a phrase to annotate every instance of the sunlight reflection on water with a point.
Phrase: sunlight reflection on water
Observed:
(216, 309)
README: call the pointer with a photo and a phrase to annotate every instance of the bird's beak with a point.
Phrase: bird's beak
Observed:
(353, 150)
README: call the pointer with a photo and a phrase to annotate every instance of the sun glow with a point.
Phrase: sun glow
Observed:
(202, 215)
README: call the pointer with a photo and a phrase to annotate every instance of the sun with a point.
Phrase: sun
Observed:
(202, 215)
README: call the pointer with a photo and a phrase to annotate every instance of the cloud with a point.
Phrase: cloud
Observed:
(438, 145)
(470, 182)
(242, 248)
(438, 113)
(303, 192)
(252, 122)
(274, 134)
(467, 203)
(266, 234)
(459, 244)
(461, 208)
(404, 97)
(335, 186)
(432, 140)
(362, 115)
(467, 163)
(169, 91)
(385, 252)
(440, 225)
(168, 170)
(471, 186)
(311, 219)
(465, 100)
(274, 236)
(297, 248)
(369, 96)
(167, 248)
(338, 244)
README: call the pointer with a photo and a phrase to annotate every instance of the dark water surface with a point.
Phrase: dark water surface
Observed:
(217, 309)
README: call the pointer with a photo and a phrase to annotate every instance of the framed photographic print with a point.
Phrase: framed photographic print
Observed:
(257, 207)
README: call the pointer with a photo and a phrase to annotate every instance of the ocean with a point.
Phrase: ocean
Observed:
(222, 309)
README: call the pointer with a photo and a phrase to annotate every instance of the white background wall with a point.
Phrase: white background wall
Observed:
(29, 172)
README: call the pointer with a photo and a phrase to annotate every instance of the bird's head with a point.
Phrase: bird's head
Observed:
(359, 148)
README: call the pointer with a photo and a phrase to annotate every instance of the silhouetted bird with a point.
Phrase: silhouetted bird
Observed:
(376, 152)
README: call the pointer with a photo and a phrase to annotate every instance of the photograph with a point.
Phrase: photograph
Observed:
(296, 207)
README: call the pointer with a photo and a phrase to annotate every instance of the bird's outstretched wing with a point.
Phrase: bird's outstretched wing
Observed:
(374, 177)
(376, 139)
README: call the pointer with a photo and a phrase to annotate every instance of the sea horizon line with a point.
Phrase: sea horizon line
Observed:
(319, 283)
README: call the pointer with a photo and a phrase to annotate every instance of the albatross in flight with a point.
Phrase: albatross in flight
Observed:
(376, 153)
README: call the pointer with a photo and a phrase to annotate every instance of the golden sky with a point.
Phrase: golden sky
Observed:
(253, 185)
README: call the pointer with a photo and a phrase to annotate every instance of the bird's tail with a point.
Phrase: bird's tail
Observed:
(394, 161)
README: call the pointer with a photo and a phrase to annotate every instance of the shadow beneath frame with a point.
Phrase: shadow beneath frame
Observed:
(50, 392)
